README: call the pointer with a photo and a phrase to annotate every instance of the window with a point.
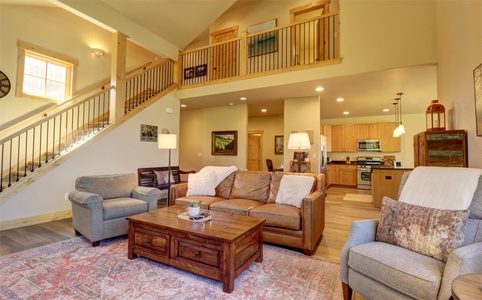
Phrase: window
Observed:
(43, 74)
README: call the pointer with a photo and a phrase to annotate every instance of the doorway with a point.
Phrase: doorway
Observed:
(255, 150)
(224, 57)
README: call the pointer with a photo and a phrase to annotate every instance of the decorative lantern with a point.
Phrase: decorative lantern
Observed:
(435, 116)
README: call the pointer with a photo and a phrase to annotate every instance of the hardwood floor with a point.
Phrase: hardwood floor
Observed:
(338, 218)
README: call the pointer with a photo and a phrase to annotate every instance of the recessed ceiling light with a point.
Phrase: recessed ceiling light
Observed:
(242, 98)
(346, 112)
(264, 110)
(319, 89)
(340, 99)
(386, 109)
(183, 105)
(231, 103)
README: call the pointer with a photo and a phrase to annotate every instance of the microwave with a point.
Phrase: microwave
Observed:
(369, 145)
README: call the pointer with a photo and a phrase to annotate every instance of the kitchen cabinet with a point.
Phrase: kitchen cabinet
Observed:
(326, 131)
(389, 142)
(351, 137)
(369, 131)
(328, 175)
(386, 182)
(338, 138)
(341, 175)
(440, 148)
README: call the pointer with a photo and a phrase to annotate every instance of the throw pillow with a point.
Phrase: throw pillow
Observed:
(293, 188)
(162, 177)
(429, 231)
(201, 184)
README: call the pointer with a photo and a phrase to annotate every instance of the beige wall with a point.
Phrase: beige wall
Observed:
(195, 136)
(459, 25)
(271, 126)
(302, 114)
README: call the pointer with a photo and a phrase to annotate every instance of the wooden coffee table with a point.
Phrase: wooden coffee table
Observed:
(467, 287)
(221, 248)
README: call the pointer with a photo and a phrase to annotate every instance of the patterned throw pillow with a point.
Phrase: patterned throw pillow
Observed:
(162, 177)
(429, 231)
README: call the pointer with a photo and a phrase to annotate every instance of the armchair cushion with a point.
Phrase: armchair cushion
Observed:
(107, 186)
(123, 207)
(429, 231)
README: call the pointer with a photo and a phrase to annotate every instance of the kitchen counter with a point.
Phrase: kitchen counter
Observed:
(386, 182)
(391, 168)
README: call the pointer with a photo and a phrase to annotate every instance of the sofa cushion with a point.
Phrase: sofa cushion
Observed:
(201, 184)
(277, 215)
(107, 186)
(206, 201)
(475, 207)
(122, 207)
(236, 206)
(416, 274)
(429, 231)
(253, 185)
(223, 189)
(162, 177)
(293, 188)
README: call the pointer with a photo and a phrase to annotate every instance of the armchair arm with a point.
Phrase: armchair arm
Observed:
(84, 198)
(361, 232)
(313, 220)
(147, 194)
(178, 190)
(463, 260)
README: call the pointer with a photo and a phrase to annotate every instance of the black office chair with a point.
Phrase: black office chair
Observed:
(269, 163)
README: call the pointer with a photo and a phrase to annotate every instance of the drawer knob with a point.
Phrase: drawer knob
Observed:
(197, 254)
(148, 242)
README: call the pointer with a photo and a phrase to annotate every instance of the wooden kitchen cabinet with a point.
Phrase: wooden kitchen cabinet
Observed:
(338, 138)
(351, 137)
(369, 131)
(386, 182)
(347, 175)
(389, 143)
(440, 148)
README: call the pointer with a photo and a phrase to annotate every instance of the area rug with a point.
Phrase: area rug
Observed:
(73, 269)
(358, 198)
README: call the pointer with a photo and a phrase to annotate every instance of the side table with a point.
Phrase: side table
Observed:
(467, 287)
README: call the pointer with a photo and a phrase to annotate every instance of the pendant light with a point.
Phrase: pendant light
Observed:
(396, 132)
(401, 128)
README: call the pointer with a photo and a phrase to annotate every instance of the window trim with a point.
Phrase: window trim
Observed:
(70, 63)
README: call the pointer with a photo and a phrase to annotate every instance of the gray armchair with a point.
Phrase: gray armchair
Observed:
(100, 204)
(378, 270)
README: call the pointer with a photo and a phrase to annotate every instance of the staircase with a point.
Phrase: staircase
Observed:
(30, 152)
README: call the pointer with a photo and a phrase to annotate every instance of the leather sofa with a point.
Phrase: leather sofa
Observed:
(254, 193)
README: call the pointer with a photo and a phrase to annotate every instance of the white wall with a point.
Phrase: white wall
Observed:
(120, 151)
(459, 25)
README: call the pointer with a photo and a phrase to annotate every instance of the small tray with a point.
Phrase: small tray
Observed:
(184, 215)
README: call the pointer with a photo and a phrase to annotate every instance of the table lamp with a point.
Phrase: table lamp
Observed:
(167, 141)
(299, 141)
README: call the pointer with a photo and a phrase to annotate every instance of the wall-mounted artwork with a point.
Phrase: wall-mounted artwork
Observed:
(224, 143)
(279, 144)
(478, 98)
(188, 73)
(149, 133)
(202, 70)
(262, 43)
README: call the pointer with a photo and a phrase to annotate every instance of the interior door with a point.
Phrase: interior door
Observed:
(307, 38)
(224, 57)
(254, 151)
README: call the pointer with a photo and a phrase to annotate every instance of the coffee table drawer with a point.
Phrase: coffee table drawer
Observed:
(153, 240)
(207, 256)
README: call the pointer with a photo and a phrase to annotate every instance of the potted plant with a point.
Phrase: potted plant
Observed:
(194, 208)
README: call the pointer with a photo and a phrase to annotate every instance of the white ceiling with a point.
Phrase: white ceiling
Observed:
(182, 21)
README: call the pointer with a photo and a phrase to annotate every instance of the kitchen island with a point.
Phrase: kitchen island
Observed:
(385, 182)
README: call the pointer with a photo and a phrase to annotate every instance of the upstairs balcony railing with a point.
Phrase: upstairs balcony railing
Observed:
(295, 45)
(35, 146)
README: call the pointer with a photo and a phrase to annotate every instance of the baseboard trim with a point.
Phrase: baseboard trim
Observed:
(10, 224)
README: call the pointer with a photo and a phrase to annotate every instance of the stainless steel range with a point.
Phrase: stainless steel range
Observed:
(364, 170)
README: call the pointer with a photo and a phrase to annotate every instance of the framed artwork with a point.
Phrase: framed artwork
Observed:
(262, 43)
(224, 143)
(279, 144)
(478, 98)
(148, 133)
(201, 70)
(189, 73)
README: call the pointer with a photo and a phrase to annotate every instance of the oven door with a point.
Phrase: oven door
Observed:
(364, 178)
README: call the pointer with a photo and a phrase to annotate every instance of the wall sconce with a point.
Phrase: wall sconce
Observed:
(98, 52)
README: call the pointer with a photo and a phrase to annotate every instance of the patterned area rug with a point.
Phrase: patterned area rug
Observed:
(74, 269)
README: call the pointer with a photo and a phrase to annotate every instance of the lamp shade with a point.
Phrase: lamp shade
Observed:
(299, 140)
(167, 141)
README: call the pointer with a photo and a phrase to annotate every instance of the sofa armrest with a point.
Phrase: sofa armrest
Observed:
(463, 260)
(178, 190)
(361, 232)
(313, 220)
(147, 194)
(84, 198)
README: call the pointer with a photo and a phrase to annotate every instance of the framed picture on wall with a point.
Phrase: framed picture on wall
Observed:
(148, 133)
(224, 143)
(478, 98)
(188, 73)
(202, 70)
(279, 144)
